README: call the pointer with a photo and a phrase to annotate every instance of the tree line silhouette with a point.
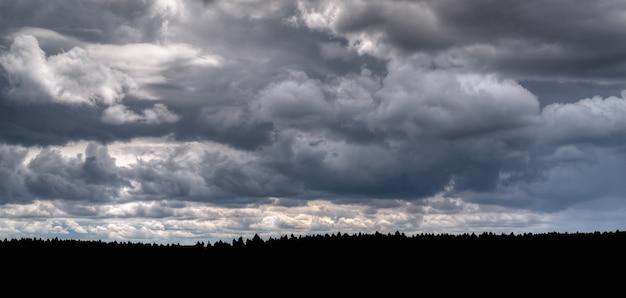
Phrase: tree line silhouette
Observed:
(370, 261)
(339, 243)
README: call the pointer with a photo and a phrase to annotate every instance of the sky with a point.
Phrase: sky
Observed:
(172, 121)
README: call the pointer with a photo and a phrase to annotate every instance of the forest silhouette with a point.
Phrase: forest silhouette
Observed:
(375, 264)
(343, 247)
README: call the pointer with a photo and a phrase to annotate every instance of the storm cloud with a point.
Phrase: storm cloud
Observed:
(182, 121)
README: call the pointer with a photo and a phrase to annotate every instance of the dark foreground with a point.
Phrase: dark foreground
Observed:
(375, 264)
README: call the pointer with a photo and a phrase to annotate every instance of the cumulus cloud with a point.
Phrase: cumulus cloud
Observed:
(50, 41)
(419, 101)
(94, 177)
(372, 27)
(206, 172)
(296, 99)
(11, 174)
(68, 78)
(595, 119)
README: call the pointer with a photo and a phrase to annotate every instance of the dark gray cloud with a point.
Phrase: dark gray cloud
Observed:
(405, 24)
(569, 92)
(93, 177)
(110, 21)
(563, 21)
(555, 41)
(57, 124)
(11, 173)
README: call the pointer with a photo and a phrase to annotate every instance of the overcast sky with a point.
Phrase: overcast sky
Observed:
(182, 121)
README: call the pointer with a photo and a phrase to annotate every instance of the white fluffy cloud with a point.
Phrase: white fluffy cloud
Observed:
(71, 77)
(593, 118)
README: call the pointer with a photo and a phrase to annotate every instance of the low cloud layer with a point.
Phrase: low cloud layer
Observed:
(197, 120)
